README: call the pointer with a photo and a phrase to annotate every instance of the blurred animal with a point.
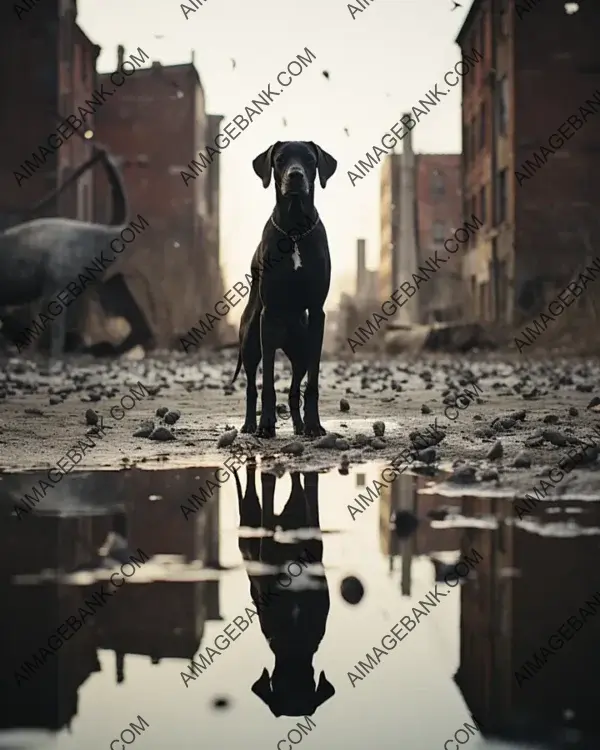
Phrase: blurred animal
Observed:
(294, 620)
(288, 291)
(38, 258)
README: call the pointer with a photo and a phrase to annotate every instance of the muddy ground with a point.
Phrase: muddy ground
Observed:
(42, 415)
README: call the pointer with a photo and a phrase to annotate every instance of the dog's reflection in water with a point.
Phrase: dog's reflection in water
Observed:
(292, 606)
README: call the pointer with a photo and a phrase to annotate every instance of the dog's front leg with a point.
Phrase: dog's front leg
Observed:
(316, 329)
(270, 339)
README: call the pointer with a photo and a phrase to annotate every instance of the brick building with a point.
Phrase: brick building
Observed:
(437, 212)
(507, 616)
(59, 75)
(541, 63)
(155, 123)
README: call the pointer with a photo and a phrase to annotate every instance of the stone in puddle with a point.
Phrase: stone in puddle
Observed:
(463, 475)
(294, 448)
(522, 461)
(379, 429)
(497, 451)
(162, 434)
(144, 430)
(352, 590)
(404, 523)
(227, 438)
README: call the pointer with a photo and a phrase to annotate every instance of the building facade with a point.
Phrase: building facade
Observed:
(541, 65)
(155, 124)
(437, 207)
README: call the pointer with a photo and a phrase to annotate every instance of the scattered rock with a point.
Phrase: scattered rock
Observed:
(294, 448)
(518, 416)
(573, 411)
(360, 440)
(489, 475)
(551, 419)
(555, 438)
(55, 400)
(427, 456)
(172, 416)
(227, 438)
(35, 412)
(327, 441)
(161, 433)
(378, 443)
(352, 590)
(379, 429)
(344, 405)
(144, 430)
(497, 451)
(342, 444)
(463, 475)
(522, 461)
(425, 409)
(161, 411)
(91, 417)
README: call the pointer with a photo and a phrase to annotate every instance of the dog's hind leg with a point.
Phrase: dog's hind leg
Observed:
(250, 351)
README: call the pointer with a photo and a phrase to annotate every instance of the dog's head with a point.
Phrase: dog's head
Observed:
(295, 165)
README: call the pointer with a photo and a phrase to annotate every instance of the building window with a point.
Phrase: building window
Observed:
(437, 184)
(483, 205)
(503, 105)
(482, 126)
(438, 231)
(502, 196)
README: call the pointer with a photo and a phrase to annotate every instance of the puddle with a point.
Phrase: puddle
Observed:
(311, 667)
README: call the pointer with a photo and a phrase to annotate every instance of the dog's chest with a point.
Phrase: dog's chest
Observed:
(296, 258)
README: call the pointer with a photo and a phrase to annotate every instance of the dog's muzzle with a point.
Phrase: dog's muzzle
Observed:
(294, 182)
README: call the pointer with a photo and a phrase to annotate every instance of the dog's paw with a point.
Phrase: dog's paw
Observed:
(265, 430)
(314, 429)
(299, 428)
(249, 428)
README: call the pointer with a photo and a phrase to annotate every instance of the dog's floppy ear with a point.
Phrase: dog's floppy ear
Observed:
(326, 164)
(263, 164)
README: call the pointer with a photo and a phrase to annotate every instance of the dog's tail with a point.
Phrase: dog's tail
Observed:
(238, 368)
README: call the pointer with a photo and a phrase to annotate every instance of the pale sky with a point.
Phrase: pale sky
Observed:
(380, 64)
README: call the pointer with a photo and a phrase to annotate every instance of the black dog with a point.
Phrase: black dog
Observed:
(294, 621)
(291, 273)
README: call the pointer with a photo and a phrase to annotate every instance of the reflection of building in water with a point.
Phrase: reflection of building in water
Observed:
(506, 619)
(403, 494)
(155, 619)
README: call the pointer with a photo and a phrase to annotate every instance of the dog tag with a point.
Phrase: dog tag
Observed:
(296, 257)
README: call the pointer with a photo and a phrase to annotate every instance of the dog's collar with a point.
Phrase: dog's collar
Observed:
(295, 237)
